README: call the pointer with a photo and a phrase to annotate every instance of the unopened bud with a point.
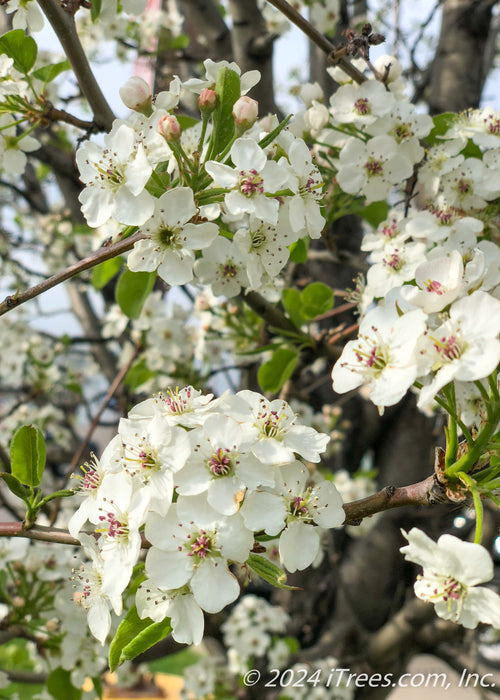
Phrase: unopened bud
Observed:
(245, 112)
(207, 101)
(170, 128)
(136, 95)
(18, 602)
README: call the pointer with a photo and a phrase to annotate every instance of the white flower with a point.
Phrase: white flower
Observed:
(171, 240)
(115, 178)
(470, 184)
(251, 178)
(153, 453)
(187, 407)
(465, 347)
(185, 614)
(222, 465)
(307, 184)
(394, 265)
(372, 168)
(265, 249)
(293, 513)
(439, 282)
(278, 436)
(361, 104)
(383, 356)
(89, 579)
(451, 571)
(192, 544)
(212, 68)
(224, 267)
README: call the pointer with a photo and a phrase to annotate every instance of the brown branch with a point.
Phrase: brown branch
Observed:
(104, 253)
(423, 493)
(37, 532)
(63, 24)
(25, 676)
(319, 39)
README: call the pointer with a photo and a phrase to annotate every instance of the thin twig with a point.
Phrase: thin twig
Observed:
(113, 387)
(319, 39)
(63, 24)
(104, 253)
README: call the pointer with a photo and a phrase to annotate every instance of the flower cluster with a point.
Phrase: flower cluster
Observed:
(430, 309)
(205, 477)
(227, 217)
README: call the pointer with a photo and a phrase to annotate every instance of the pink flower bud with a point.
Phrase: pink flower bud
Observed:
(207, 101)
(245, 112)
(136, 95)
(170, 128)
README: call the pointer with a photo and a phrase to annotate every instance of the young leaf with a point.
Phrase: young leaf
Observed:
(274, 373)
(21, 48)
(317, 299)
(269, 572)
(95, 10)
(60, 687)
(27, 455)
(132, 290)
(134, 636)
(292, 301)
(228, 90)
(104, 272)
(48, 73)
(298, 251)
(15, 486)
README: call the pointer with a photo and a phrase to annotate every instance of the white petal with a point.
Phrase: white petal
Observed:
(214, 586)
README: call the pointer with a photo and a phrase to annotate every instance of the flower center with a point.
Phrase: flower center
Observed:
(443, 587)
(251, 183)
(362, 106)
(113, 527)
(448, 347)
(434, 286)
(394, 261)
(91, 479)
(271, 424)
(176, 403)
(374, 167)
(220, 463)
(229, 270)
(200, 545)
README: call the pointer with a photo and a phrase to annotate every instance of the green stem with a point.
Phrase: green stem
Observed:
(478, 504)
(467, 461)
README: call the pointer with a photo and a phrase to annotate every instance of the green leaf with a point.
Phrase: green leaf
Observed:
(269, 572)
(48, 73)
(271, 136)
(298, 250)
(132, 290)
(228, 90)
(187, 122)
(292, 301)
(104, 272)
(276, 371)
(27, 455)
(15, 486)
(95, 9)
(97, 686)
(60, 687)
(174, 664)
(179, 42)
(442, 123)
(138, 374)
(21, 48)
(317, 299)
(134, 636)
(374, 213)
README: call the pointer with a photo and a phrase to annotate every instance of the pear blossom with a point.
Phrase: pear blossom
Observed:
(306, 184)
(466, 346)
(224, 266)
(171, 238)
(264, 248)
(295, 512)
(252, 177)
(470, 185)
(361, 104)
(89, 579)
(273, 423)
(187, 407)
(439, 282)
(452, 569)
(212, 68)
(192, 544)
(152, 454)
(394, 265)
(222, 465)
(384, 356)
(371, 168)
(115, 178)
(186, 616)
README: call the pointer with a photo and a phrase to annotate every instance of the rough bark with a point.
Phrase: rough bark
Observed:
(458, 70)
